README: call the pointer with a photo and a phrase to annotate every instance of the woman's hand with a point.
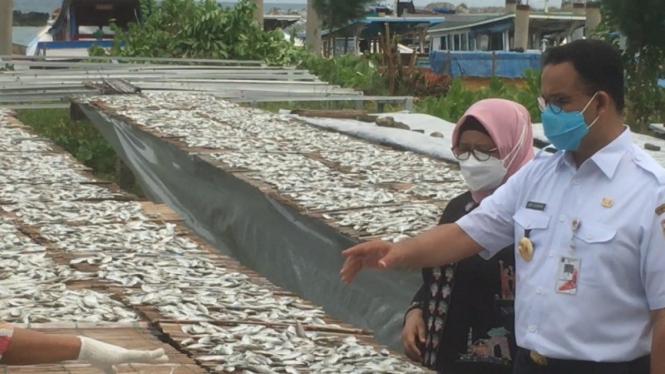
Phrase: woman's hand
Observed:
(413, 334)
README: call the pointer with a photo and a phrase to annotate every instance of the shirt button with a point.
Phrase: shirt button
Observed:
(532, 328)
(576, 181)
(638, 158)
(551, 253)
(562, 218)
(539, 290)
(589, 237)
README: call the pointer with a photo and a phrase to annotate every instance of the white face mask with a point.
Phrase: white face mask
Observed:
(488, 175)
(483, 175)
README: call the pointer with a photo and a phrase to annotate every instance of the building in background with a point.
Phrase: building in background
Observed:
(517, 28)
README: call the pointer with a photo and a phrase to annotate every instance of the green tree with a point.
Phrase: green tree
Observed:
(338, 13)
(201, 29)
(643, 25)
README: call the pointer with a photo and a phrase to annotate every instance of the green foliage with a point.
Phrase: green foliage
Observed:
(337, 13)
(201, 29)
(350, 71)
(641, 22)
(644, 51)
(459, 98)
(7, 67)
(80, 138)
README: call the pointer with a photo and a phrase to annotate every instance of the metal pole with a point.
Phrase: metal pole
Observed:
(6, 21)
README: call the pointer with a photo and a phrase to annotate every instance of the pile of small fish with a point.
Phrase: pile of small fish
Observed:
(135, 237)
(261, 349)
(406, 220)
(73, 212)
(18, 140)
(33, 287)
(319, 170)
(156, 266)
(166, 271)
(18, 193)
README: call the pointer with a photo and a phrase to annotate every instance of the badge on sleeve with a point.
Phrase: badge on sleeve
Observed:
(660, 210)
(569, 270)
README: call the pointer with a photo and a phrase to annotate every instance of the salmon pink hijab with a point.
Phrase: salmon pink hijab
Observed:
(504, 120)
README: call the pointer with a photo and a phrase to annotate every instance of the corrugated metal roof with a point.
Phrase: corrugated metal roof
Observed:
(461, 21)
(465, 21)
(431, 20)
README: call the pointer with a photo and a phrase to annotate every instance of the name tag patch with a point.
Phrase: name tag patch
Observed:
(535, 206)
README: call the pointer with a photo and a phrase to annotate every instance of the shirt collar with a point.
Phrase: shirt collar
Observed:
(607, 159)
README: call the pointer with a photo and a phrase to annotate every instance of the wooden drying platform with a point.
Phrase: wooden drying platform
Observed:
(128, 335)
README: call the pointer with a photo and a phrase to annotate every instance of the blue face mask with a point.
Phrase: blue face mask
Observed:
(565, 130)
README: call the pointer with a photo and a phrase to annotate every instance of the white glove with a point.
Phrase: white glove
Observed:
(105, 356)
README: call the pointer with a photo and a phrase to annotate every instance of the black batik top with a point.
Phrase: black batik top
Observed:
(468, 308)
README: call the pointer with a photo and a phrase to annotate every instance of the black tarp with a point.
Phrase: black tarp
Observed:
(293, 251)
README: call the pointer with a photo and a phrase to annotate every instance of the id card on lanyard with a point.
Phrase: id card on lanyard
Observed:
(569, 266)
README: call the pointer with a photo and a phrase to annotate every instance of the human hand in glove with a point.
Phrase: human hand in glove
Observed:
(106, 356)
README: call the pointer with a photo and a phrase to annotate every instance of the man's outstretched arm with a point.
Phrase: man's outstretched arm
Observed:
(438, 246)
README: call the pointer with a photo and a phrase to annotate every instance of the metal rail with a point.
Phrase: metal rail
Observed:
(11, 59)
(39, 83)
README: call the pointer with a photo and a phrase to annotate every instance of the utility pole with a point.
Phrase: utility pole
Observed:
(313, 29)
(6, 21)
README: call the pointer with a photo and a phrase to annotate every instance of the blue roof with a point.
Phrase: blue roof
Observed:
(382, 20)
(430, 20)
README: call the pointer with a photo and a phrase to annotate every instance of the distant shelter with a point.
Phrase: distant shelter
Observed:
(363, 36)
(82, 19)
(518, 28)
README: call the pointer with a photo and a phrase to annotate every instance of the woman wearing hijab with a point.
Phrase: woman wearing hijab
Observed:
(19, 347)
(461, 319)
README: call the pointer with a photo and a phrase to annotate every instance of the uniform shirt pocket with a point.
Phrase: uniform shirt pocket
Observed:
(533, 224)
(593, 242)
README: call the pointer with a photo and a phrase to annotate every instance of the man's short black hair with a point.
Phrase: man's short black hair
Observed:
(597, 62)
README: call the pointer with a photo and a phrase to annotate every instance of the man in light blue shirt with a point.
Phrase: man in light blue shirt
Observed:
(589, 223)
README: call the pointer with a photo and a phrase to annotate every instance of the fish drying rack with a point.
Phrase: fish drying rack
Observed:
(151, 328)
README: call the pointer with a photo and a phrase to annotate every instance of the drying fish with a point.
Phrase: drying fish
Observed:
(262, 349)
(17, 193)
(155, 265)
(319, 170)
(39, 213)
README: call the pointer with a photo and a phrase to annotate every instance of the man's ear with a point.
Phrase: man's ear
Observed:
(603, 103)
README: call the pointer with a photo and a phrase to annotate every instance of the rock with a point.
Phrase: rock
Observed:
(367, 118)
(419, 130)
(651, 147)
(385, 121)
(436, 134)
(400, 125)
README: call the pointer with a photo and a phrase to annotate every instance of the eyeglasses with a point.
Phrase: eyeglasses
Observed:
(556, 106)
(478, 154)
(557, 102)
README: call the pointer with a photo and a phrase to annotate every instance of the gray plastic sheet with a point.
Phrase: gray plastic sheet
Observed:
(295, 252)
